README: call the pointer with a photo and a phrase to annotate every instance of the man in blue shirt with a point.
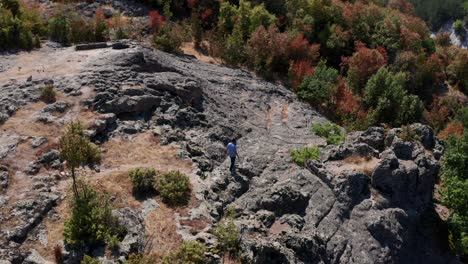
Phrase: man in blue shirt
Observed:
(232, 153)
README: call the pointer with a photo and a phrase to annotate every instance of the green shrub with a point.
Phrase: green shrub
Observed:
(332, 132)
(228, 237)
(320, 87)
(91, 221)
(462, 116)
(169, 38)
(455, 193)
(48, 94)
(113, 242)
(302, 155)
(90, 260)
(459, 28)
(190, 252)
(143, 180)
(60, 30)
(408, 134)
(19, 27)
(174, 187)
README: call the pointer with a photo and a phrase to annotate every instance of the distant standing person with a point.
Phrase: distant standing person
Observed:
(232, 153)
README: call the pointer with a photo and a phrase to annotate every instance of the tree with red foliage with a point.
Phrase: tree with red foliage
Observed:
(298, 71)
(346, 102)
(300, 49)
(156, 21)
(438, 115)
(363, 64)
(455, 128)
(403, 6)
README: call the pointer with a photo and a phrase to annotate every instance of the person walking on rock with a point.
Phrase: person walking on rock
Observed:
(232, 153)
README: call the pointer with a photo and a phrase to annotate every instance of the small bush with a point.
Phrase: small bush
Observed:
(228, 237)
(91, 222)
(174, 187)
(143, 180)
(408, 134)
(90, 260)
(169, 38)
(190, 252)
(113, 242)
(332, 132)
(302, 155)
(59, 29)
(48, 94)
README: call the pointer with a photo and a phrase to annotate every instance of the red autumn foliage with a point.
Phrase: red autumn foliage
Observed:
(156, 20)
(403, 6)
(346, 102)
(436, 64)
(363, 64)
(298, 71)
(438, 114)
(409, 38)
(455, 128)
(300, 49)
(206, 15)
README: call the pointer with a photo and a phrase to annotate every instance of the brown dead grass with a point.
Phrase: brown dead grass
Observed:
(189, 48)
(161, 222)
(142, 150)
(357, 163)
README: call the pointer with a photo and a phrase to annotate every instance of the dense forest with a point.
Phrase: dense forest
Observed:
(360, 63)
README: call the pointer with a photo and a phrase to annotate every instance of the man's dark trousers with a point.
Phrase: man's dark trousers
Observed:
(233, 162)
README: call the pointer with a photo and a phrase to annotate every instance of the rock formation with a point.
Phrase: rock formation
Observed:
(368, 200)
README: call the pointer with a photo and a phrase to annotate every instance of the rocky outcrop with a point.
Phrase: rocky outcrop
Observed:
(134, 239)
(329, 211)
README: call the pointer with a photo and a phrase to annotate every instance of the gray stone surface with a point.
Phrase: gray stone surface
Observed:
(325, 212)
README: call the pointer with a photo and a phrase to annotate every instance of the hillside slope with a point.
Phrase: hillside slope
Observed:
(366, 201)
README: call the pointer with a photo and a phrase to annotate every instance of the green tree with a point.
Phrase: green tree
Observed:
(455, 192)
(77, 150)
(59, 29)
(91, 222)
(457, 71)
(13, 6)
(227, 17)
(319, 88)
(387, 98)
(259, 16)
(459, 28)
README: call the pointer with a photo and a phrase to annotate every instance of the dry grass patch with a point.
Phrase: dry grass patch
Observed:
(162, 223)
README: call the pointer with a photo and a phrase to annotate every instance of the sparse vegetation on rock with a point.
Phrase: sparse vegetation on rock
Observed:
(228, 237)
(48, 94)
(301, 156)
(190, 252)
(332, 132)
